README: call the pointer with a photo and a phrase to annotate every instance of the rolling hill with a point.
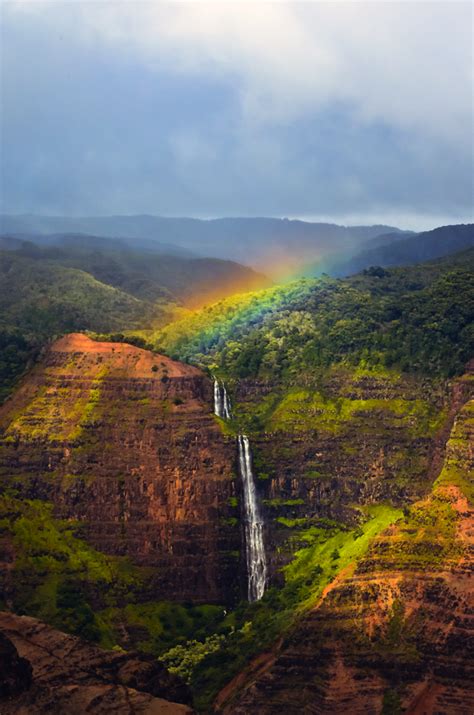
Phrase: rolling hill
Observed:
(276, 246)
(90, 283)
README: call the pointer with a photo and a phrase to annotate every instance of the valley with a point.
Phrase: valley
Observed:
(270, 496)
(236, 358)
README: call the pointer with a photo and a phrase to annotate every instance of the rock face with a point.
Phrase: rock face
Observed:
(395, 632)
(51, 672)
(125, 441)
(385, 444)
(15, 672)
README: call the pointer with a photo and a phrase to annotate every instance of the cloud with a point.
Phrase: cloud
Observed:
(407, 64)
(282, 107)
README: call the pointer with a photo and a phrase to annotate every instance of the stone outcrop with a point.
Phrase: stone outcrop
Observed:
(50, 672)
(15, 672)
(125, 441)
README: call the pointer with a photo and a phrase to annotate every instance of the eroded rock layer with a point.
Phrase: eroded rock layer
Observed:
(51, 672)
(125, 441)
(393, 633)
(356, 439)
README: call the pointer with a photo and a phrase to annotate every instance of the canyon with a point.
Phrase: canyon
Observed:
(141, 461)
(393, 633)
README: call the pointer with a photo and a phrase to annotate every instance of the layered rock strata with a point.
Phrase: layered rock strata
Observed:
(51, 672)
(124, 441)
(394, 632)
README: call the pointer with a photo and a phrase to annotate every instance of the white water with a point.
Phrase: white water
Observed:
(217, 399)
(255, 550)
(225, 403)
(221, 401)
(253, 523)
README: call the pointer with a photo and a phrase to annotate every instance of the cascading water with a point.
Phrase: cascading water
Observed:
(217, 399)
(254, 547)
(225, 404)
(221, 401)
(255, 550)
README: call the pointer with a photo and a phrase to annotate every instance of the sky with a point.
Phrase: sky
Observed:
(353, 112)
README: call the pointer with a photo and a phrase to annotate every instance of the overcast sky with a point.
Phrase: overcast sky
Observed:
(349, 111)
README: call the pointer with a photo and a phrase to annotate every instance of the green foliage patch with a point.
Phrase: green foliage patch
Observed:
(457, 468)
(415, 319)
(59, 578)
(302, 410)
(251, 628)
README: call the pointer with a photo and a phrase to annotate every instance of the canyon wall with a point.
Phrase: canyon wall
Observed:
(326, 451)
(394, 632)
(125, 442)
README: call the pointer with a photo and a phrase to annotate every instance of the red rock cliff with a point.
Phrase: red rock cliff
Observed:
(125, 441)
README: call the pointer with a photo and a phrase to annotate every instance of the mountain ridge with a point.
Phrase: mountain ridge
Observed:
(262, 242)
(396, 250)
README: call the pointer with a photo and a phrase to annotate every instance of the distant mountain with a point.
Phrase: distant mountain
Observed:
(386, 238)
(43, 298)
(83, 241)
(141, 273)
(93, 283)
(396, 251)
(274, 245)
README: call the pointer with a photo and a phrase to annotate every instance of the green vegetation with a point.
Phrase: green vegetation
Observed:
(292, 523)
(183, 659)
(40, 301)
(43, 299)
(59, 578)
(327, 545)
(55, 570)
(16, 352)
(319, 342)
(392, 704)
(62, 580)
(278, 502)
(90, 284)
(147, 275)
(457, 468)
(59, 413)
(162, 625)
(416, 319)
(222, 324)
(304, 409)
(251, 628)
(427, 537)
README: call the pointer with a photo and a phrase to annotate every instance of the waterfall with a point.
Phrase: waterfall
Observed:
(253, 522)
(217, 399)
(225, 404)
(221, 401)
(255, 551)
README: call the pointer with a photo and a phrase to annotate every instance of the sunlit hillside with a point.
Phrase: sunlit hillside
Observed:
(415, 318)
